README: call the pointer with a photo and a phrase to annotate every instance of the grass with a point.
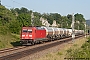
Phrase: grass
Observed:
(75, 45)
(7, 40)
(82, 52)
(60, 55)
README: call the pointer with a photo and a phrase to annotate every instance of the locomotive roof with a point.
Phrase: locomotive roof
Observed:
(40, 28)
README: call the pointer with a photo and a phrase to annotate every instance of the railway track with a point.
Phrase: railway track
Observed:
(11, 49)
(24, 53)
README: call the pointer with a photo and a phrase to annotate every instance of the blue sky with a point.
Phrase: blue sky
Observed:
(62, 7)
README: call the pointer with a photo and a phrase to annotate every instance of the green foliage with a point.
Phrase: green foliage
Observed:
(5, 16)
(16, 18)
(65, 21)
(37, 14)
(20, 11)
(48, 17)
(7, 41)
(69, 50)
(79, 17)
(24, 10)
(83, 52)
(79, 21)
(14, 26)
(4, 30)
(24, 19)
(37, 22)
(51, 17)
(87, 44)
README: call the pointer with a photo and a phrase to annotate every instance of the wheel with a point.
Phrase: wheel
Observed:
(32, 43)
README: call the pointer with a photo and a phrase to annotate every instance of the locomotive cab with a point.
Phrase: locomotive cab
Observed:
(26, 35)
(31, 35)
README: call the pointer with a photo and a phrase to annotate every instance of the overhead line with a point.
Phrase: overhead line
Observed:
(19, 3)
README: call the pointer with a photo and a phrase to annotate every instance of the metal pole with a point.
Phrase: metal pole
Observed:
(0, 2)
(73, 34)
(85, 29)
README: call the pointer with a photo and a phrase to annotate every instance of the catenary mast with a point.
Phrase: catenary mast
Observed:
(0, 2)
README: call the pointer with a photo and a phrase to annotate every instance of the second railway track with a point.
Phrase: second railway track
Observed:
(24, 53)
(11, 49)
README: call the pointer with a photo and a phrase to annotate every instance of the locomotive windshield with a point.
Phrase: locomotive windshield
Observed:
(30, 31)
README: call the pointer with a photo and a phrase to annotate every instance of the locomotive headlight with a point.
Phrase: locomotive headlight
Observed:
(30, 35)
(23, 35)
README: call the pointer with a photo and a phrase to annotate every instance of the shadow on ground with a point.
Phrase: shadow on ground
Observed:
(17, 43)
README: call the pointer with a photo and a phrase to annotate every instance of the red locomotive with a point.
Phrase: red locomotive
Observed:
(32, 34)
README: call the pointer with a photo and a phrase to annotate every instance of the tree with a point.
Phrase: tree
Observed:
(79, 17)
(69, 20)
(24, 10)
(24, 19)
(14, 26)
(6, 15)
(37, 14)
(65, 22)
(79, 20)
(37, 22)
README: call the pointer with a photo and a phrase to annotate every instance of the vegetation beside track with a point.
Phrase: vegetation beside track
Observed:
(7, 39)
(82, 52)
(67, 50)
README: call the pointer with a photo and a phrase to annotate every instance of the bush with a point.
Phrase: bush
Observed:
(4, 30)
(14, 27)
(83, 52)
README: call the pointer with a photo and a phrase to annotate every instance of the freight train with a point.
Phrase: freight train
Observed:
(32, 35)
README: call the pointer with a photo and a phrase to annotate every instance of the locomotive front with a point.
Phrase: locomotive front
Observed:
(32, 35)
(26, 35)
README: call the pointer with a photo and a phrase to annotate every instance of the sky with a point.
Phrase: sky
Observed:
(63, 7)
